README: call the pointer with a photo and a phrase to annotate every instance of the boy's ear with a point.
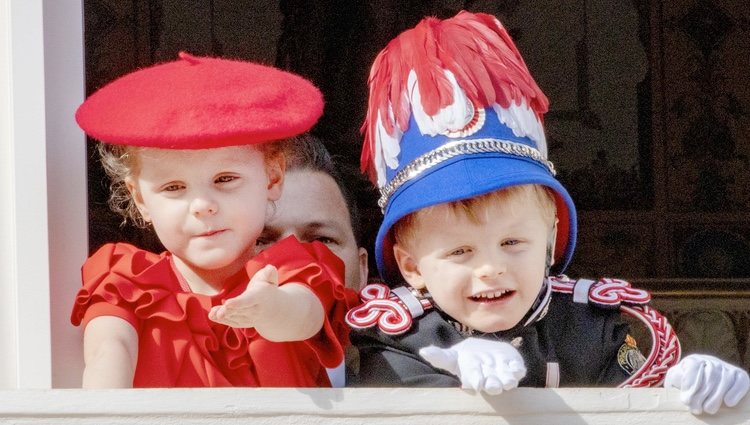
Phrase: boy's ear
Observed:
(275, 170)
(408, 266)
(551, 245)
(135, 193)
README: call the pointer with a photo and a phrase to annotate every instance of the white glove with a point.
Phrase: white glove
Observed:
(704, 381)
(480, 364)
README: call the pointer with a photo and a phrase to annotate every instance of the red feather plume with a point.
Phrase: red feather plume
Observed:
(475, 47)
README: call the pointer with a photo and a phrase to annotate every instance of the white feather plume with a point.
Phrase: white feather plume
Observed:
(387, 148)
(450, 118)
(524, 123)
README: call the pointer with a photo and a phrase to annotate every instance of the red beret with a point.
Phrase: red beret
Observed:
(201, 102)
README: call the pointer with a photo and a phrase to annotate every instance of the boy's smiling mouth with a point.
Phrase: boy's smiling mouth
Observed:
(490, 296)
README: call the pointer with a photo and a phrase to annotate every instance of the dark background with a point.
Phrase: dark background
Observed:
(663, 195)
(648, 124)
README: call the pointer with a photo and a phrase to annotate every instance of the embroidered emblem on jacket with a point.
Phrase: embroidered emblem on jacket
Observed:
(629, 357)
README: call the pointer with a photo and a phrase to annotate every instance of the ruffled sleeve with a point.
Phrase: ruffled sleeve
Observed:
(314, 265)
(123, 281)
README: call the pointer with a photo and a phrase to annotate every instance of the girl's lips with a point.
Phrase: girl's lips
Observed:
(210, 233)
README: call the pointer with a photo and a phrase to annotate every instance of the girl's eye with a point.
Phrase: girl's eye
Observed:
(511, 242)
(225, 179)
(172, 187)
(459, 251)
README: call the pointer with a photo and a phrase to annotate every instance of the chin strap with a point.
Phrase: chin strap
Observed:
(541, 305)
(618, 294)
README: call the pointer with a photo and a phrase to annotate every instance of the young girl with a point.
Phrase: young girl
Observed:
(186, 146)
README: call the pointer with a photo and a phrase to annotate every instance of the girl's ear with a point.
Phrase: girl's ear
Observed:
(408, 267)
(275, 167)
(135, 193)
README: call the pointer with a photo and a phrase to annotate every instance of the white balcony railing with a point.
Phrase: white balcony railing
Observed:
(356, 406)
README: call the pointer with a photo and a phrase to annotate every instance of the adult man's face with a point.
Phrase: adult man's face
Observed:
(312, 208)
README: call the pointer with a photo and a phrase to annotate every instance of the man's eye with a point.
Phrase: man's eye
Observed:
(325, 240)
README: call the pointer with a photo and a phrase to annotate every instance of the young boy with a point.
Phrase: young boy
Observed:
(477, 225)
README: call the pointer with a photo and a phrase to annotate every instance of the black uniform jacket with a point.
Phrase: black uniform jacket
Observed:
(583, 339)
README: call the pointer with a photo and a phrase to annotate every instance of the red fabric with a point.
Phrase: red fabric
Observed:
(180, 347)
(201, 102)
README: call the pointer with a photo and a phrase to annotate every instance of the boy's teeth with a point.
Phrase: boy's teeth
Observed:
(491, 295)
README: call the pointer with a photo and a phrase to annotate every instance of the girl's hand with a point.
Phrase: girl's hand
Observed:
(291, 312)
(244, 310)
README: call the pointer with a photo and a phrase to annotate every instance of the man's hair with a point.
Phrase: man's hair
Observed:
(404, 230)
(308, 153)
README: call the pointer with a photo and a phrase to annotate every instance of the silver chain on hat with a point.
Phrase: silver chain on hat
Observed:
(453, 149)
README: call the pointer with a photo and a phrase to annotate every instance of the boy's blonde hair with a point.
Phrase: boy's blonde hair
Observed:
(121, 162)
(404, 231)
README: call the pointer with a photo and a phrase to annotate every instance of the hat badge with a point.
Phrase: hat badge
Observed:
(474, 124)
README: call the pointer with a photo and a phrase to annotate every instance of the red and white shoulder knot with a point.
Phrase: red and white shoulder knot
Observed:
(619, 294)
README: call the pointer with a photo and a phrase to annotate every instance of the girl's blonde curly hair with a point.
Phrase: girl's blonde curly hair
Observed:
(121, 162)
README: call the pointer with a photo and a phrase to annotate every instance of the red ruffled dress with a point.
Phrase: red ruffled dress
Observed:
(178, 346)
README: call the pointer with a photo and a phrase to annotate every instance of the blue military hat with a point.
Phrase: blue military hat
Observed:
(454, 113)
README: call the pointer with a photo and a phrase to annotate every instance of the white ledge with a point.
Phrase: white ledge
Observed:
(356, 406)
